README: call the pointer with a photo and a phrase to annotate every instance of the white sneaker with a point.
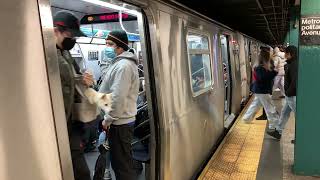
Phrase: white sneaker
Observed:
(271, 127)
(107, 175)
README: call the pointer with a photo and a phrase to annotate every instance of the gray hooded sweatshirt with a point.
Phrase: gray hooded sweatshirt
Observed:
(122, 80)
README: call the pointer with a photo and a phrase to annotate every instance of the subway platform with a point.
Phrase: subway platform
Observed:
(248, 153)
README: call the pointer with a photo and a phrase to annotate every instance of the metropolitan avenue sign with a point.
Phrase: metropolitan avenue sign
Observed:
(310, 30)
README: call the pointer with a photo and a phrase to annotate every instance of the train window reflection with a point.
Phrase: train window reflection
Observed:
(198, 42)
(199, 63)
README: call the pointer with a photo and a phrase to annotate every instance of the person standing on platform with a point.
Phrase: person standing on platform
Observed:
(279, 63)
(267, 50)
(290, 87)
(263, 77)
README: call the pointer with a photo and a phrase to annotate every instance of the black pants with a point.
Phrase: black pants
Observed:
(80, 167)
(120, 138)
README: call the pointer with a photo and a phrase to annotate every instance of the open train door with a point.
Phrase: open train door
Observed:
(225, 56)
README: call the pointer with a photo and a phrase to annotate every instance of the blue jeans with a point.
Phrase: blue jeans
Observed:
(101, 140)
(289, 106)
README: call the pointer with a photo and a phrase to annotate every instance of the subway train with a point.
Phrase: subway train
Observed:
(196, 74)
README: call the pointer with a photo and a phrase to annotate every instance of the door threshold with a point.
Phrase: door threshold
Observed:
(228, 120)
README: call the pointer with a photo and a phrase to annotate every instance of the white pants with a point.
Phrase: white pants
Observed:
(265, 101)
(289, 106)
(279, 83)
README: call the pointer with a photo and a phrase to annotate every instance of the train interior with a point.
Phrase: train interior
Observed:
(98, 18)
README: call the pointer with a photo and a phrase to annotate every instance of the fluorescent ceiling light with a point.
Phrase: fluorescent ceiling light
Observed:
(105, 4)
(111, 6)
(98, 41)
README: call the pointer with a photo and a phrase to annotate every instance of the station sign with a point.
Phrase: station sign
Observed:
(310, 30)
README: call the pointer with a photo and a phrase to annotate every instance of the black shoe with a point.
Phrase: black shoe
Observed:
(293, 141)
(262, 117)
(274, 134)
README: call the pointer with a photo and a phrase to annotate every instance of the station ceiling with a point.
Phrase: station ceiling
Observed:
(265, 20)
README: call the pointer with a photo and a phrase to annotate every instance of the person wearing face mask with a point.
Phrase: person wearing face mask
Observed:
(66, 28)
(122, 80)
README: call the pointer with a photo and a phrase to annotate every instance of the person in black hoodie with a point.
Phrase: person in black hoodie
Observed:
(263, 77)
(290, 87)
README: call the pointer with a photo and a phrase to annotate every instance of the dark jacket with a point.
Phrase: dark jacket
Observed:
(262, 80)
(290, 77)
(67, 80)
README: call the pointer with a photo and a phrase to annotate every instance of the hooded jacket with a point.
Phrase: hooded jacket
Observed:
(279, 61)
(122, 80)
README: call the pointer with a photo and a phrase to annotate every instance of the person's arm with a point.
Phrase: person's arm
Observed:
(66, 84)
(293, 73)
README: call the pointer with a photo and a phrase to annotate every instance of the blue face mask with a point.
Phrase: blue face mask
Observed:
(109, 54)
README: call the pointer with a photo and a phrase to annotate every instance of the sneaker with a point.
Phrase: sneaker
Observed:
(107, 175)
(271, 128)
(274, 134)
(262, 117)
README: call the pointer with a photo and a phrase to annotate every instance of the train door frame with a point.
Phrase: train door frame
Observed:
(151, 91)
(61, 132)
(228, 93)
(251, 63)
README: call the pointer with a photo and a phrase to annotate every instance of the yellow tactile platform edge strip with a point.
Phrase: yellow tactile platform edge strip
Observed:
(238, 155)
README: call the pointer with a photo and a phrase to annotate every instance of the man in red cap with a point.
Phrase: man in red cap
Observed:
(66, 28)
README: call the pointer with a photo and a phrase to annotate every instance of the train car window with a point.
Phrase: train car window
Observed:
(199, 63)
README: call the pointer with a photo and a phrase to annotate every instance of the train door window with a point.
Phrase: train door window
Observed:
(199, 63)
(97, 20)
(225, 54)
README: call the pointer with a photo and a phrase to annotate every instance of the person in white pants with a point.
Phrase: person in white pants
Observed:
(262, 88)
(279, 63)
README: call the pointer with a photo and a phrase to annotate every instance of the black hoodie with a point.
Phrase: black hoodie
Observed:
(290, 77)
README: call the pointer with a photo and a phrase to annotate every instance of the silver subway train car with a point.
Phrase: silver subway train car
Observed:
(196, 74)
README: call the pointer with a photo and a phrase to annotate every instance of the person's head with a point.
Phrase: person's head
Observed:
(118, 40)
(276, 50)
(291, 52)
(66, 28)
(281, 48)
(266, 49)
(264, 57)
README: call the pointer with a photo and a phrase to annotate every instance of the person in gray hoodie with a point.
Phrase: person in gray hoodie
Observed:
(122, 80)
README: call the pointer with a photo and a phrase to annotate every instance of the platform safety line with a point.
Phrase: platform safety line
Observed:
(202, 175)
